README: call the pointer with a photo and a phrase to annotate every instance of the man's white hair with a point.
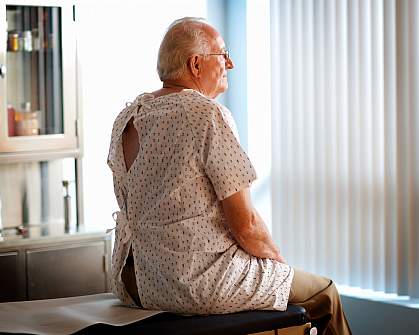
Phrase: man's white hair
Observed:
(184, 37)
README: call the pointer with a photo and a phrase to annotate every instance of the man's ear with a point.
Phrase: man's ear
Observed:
(195, 65)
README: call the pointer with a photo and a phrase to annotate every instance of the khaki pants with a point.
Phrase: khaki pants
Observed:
(318, 295)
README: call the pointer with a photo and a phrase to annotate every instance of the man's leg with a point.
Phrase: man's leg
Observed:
(318, 295)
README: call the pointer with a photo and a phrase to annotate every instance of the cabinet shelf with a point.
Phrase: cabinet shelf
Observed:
(34, 156)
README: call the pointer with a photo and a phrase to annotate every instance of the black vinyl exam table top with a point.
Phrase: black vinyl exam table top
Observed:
(233, 324)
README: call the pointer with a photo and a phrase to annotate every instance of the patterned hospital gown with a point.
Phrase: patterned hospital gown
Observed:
(185, 258)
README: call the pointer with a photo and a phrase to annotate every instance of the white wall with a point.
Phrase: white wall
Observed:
(259, 103)
(118, 43)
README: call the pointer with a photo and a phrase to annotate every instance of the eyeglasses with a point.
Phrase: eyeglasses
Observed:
(226, 54)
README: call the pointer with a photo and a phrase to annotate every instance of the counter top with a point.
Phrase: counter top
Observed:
(48, 234)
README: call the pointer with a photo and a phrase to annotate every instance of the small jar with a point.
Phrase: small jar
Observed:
(26, 121)
(21, 41)
(13, 41)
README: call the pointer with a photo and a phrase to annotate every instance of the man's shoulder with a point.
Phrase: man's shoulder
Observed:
(196, 104)
(196, 98)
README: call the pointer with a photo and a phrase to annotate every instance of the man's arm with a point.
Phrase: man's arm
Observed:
(248, 228)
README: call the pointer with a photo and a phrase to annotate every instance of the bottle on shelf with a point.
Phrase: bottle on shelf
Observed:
(27, 40)
(11, 120)
(21, 41)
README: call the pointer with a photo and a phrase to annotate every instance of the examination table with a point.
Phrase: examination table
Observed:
(104, 314)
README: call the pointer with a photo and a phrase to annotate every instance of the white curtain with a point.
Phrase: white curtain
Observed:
(345, 139)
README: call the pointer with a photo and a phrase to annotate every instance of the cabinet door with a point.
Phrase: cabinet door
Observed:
(38, 59)
(72, 270)
(12, 278)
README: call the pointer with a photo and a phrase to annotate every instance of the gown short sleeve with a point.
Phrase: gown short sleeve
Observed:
(225, 162)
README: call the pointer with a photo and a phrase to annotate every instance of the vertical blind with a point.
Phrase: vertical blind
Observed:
(345, 139)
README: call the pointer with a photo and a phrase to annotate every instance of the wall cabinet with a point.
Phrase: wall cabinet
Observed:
(46, 268)
(40, 132)
(38, 76)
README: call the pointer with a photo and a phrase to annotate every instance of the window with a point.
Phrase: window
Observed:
(345, 160)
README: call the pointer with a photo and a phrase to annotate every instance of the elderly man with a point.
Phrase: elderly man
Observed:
(188, 239)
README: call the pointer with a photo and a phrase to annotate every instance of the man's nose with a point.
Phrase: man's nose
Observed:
(229, 63)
